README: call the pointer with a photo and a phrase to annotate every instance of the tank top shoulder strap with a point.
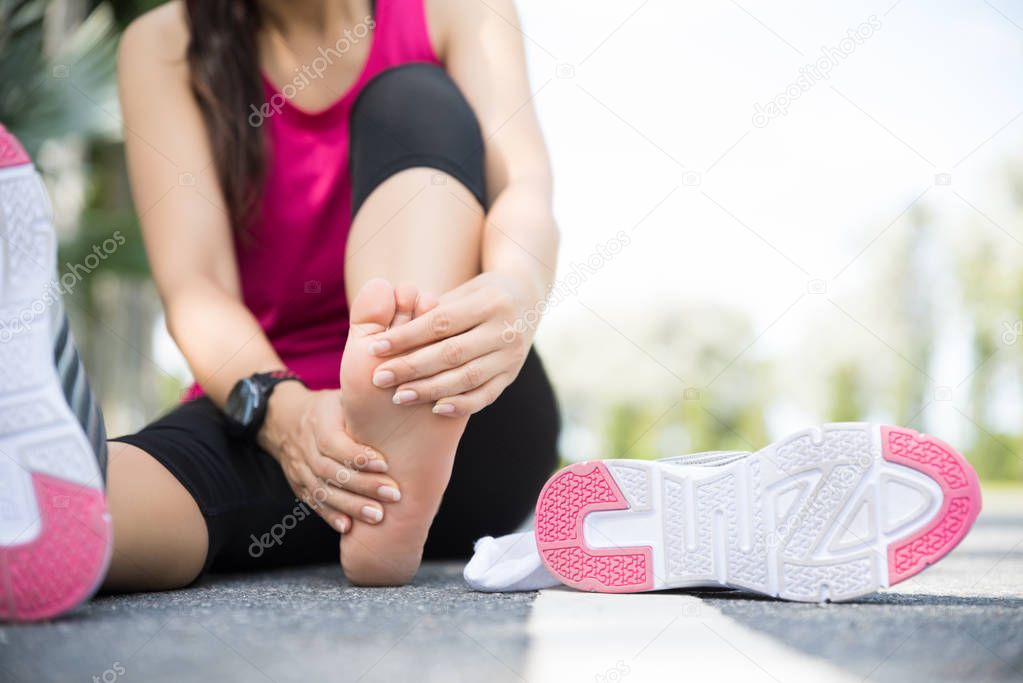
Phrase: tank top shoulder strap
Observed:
(400, 34)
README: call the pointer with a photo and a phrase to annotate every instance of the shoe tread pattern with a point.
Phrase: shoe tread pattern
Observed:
(64, 564)
(564, 502)
(961, 505)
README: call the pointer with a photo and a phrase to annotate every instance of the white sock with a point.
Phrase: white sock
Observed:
(507, 564)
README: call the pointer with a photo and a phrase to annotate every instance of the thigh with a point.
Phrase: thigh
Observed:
(508, 451)
(252, 518)
(159, 534)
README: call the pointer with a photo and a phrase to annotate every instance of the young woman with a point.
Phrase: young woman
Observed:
(289, 162)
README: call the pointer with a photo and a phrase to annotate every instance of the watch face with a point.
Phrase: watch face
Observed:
(243, 402)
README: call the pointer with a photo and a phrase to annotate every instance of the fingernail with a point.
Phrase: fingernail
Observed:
(404, 396)
(383, 378)
(389, 492)
(379, 346)
(376, 465)
(342, 525)
(443, 409)
(372, 514)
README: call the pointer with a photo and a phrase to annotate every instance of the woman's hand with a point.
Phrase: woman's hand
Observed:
(464, 352)
(340, 479)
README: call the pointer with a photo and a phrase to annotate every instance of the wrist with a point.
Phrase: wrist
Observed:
(526, 285)
(284, 407)
(529, 296)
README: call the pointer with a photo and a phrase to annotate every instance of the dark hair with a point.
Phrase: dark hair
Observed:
(223, 63)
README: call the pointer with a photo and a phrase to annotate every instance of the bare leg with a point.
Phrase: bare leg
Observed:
(433, 241)
(160, 539)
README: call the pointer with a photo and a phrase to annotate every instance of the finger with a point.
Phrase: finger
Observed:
(443, 321)
(466, 288)
(466, 377)
(329, 434)
(339, 447)
(369, 460)
(473, 401)
(437, 357)
(373, 486)
(323, 495)
(331, 515)
(405, 297)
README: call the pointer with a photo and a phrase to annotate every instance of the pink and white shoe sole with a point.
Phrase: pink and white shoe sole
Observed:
(826, 514)
(55, 537)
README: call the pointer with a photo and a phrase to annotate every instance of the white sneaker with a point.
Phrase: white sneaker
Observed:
(829, 513)
(55, 537)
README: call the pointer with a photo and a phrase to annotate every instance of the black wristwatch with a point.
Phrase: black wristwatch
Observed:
(247, 402)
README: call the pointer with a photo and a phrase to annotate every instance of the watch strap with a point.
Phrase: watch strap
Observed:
(267, 382)
(271, 379)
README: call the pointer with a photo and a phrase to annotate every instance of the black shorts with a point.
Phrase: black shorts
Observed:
(255, 521)
(409, 116)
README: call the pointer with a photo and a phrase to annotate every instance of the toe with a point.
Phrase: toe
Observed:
(405, 296)
(373, 308)
(425, 303)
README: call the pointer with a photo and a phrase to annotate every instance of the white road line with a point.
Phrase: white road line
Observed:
(587, 637)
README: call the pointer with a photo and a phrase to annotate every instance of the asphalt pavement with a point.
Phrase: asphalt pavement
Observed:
(961, 620)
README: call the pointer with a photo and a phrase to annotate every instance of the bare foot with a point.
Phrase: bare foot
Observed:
(419, 446)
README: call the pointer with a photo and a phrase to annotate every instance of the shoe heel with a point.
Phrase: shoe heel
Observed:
(564, 502)
(960, 507)
(64, 565)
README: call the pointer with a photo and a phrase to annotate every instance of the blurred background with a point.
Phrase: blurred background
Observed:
(774, 214)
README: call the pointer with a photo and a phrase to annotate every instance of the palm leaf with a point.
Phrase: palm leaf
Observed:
(69, 91)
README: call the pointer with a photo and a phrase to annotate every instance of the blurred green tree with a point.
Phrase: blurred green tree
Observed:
(58, 66)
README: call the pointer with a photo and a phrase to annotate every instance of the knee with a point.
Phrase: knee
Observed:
(402, 99)
(414, 115)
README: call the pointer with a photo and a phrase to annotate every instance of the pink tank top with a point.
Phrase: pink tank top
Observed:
(292, 268)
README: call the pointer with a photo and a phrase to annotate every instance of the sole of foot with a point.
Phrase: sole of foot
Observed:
(418, 445)
(830, 513)
(55, 537)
